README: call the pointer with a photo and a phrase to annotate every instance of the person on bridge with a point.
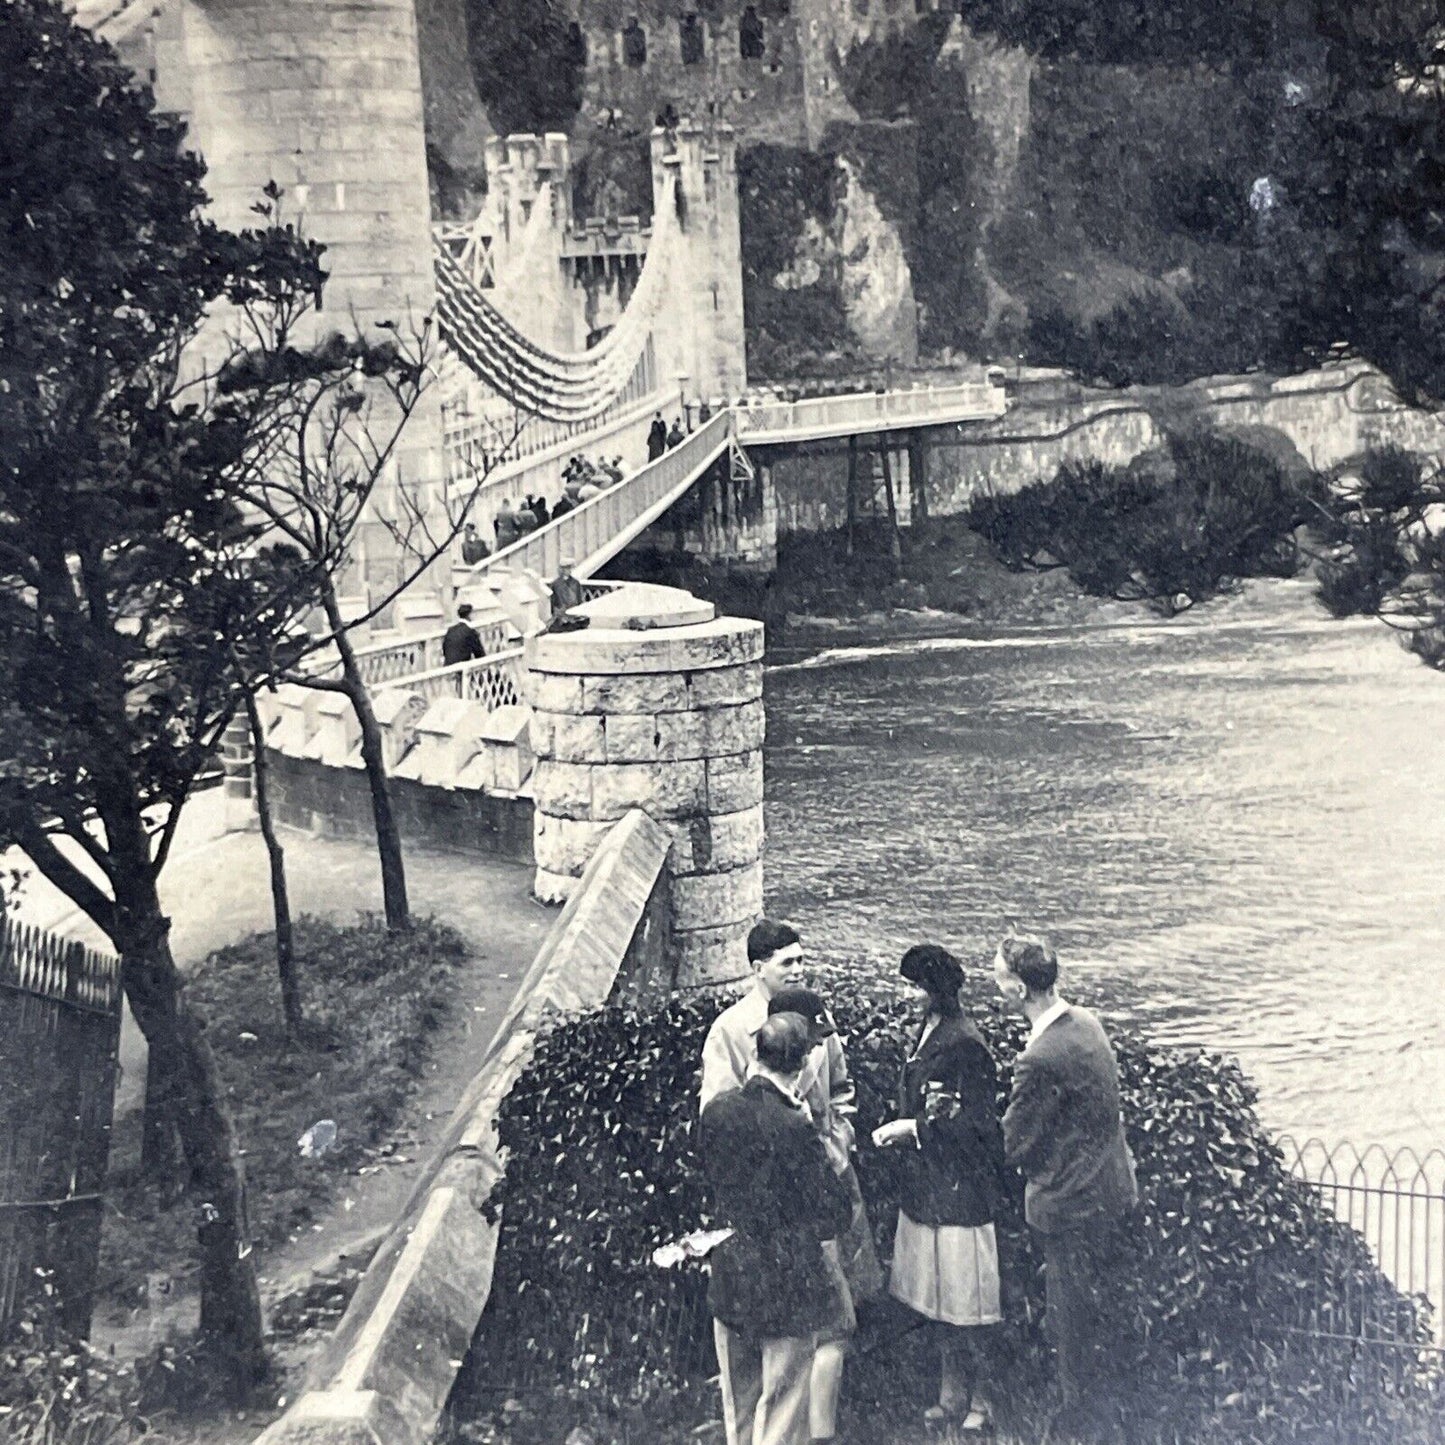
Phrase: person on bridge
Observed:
(771, 1288)
(526, 520)
(676, 435)
(564, 504)
(506, 526)
(656, 437)
(460, 642)
(539, 510)
(566, 590)
(474, 550)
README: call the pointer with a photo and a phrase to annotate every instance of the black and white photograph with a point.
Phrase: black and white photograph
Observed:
(722, 722)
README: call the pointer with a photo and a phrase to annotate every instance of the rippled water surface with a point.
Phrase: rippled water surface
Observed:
(1237, 819)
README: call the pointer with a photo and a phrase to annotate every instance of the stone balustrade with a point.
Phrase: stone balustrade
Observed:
(656, 704)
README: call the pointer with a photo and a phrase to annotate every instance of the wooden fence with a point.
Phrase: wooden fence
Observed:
(59, 1032)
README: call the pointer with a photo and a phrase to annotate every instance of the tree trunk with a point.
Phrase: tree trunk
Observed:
(388, 837)
(895, 542)
(231, 1321)
(158, 1156)
(276, 855)
(852, 491)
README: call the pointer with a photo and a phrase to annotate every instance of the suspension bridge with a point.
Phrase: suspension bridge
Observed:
(662, 307)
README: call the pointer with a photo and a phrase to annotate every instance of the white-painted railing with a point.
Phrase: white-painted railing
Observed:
(768, 419)
(492, 681)
(489, 441)
(384, 662)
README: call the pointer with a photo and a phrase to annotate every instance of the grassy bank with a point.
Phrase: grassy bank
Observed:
(373, 1003)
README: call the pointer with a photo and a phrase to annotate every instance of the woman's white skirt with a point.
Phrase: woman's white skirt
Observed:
(946, 1272)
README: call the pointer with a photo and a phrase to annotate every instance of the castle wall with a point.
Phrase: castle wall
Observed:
(763, 97)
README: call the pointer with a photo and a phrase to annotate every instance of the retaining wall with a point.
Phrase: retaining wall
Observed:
(1329, 415)
(336, 802)
(384, 1377)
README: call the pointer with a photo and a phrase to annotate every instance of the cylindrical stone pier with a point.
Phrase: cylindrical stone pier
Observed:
(670, 720)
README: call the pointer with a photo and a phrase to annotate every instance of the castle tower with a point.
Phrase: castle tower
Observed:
(324, 98)
(700, 329)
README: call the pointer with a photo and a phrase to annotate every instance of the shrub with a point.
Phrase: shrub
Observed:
(1228, 1250)
(58, 1390)
(1178, 529)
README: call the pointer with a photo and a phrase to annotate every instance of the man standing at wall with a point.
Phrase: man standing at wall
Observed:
(1063, 1132)
(771, 1289)
(460, 642)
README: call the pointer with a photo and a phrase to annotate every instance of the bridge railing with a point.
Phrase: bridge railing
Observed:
(492, 681)
(861, 411)
(384, 662)
(584, 533)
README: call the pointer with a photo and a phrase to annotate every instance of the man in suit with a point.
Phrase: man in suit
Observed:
(460, 642)
(771, 1288)
(1063, 1132)
(729, 1052)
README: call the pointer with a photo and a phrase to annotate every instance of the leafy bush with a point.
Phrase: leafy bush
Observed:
(781, 190)
(1175, 530)
(1227, 1253)
(57, 1390)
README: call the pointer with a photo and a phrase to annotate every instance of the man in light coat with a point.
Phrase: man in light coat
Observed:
(771, 1288)
(1063, 1132)
(776, 955)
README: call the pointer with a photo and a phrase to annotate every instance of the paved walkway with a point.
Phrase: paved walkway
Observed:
(216, 888)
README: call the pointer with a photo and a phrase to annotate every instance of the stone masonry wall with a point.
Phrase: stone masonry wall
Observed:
(670, 721)
(336, 801)
(324, 98)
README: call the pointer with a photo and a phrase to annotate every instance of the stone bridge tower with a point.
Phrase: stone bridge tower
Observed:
(323, 97)
(700, 330)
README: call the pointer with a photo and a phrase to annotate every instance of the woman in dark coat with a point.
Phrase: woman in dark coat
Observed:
(950, 1142)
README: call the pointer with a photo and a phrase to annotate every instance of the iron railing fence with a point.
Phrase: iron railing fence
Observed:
(1394, 1199)
(59, 1033)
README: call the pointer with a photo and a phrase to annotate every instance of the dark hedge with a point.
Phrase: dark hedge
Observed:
(1228, 1253)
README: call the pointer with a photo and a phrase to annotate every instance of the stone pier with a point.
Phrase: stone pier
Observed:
(656, 705)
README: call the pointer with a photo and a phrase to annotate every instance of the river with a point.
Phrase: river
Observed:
(1231, 824)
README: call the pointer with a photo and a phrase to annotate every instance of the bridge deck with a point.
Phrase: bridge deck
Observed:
(598, 529)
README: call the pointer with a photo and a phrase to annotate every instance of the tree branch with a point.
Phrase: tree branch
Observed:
(59, 870)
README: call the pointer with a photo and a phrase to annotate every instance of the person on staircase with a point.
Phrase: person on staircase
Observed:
(505, 524)
(656, 437)
(474, 550)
